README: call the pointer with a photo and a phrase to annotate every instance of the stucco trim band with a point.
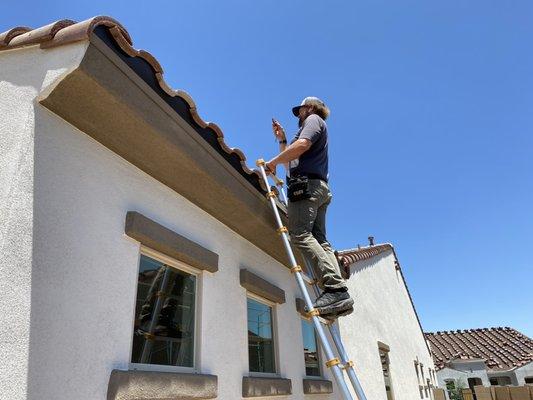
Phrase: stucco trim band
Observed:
(317, 386)
(149, 385)
(157, 237)
(263, 387)
(261, 287)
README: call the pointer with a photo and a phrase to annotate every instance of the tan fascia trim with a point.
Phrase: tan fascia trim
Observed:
(317, 386)
(261, 287)
(133, 385)
(265, 387)
(157, 237)
(108, 101)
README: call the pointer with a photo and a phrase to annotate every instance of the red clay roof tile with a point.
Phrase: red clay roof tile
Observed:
(502, 348)
(67, 31)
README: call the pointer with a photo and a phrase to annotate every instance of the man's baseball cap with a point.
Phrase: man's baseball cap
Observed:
(308, 101)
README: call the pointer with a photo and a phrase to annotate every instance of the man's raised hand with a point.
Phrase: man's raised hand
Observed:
(278, 130)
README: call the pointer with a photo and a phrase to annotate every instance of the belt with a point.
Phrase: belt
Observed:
(310, 176)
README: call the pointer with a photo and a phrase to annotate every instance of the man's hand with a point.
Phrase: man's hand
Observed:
(278, 130)
(270, 167)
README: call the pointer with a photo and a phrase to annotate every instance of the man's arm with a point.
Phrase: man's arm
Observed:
(290, 153)
(308, 135)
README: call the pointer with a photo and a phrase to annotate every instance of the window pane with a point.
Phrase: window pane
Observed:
(260, 338)
(164, 315)
(312, 367)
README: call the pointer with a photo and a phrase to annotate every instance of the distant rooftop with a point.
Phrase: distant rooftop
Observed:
(501, 348)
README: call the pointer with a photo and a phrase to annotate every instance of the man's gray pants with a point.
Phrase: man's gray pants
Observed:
(307, 228)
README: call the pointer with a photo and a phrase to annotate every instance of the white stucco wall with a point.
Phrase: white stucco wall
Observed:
(384, 313)
(86, 272)
(68, 272)
(23, 74)
(523, 372)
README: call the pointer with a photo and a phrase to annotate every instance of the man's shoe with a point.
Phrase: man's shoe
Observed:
(334, 316)
(333, 302)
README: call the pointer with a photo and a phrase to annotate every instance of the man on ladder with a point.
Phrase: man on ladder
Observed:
(306, 160)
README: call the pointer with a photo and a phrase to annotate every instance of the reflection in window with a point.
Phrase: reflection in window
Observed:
(312, 363)
(164, 315)
(260, 337)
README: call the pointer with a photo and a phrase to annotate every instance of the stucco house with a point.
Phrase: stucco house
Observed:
(488, 357)
(139, 258)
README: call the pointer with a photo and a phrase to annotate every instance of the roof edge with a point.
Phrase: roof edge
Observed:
(67, 31)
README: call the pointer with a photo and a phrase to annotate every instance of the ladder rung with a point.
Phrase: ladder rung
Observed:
(349, 364)
(308, 280)
(332, 362)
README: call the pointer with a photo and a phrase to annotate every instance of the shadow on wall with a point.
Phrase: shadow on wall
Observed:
(360, 266)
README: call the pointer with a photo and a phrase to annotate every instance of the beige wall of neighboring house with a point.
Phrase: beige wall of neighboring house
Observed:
(69, 272)
(524, 372)
(384, 313)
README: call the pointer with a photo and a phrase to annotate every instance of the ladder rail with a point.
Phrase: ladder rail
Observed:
(333, 363)
(335, 334)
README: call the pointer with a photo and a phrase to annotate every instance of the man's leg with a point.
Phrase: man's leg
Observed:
(302, 218)
(331, 279)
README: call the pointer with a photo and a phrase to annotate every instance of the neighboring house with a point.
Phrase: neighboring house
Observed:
(139, 257)
(488, 356)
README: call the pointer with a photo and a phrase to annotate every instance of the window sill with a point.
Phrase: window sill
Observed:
(317, 386)
(264, 387)
(131, 385)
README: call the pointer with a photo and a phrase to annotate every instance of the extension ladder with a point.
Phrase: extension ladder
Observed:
(337, 365)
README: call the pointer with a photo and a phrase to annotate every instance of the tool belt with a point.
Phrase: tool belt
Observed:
(298, 188)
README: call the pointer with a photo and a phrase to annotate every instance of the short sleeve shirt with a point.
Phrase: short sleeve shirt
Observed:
(315, 160)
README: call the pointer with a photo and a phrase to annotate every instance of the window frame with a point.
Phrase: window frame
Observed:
(385, 348)
(318, 351)
(272, 305)
(180, 266)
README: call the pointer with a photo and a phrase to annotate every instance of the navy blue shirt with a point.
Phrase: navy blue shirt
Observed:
(315, 160)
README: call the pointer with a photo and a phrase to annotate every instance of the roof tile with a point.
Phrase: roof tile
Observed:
(68, 31)
(503, 348)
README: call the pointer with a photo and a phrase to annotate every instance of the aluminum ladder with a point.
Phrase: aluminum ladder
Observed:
(336, 364)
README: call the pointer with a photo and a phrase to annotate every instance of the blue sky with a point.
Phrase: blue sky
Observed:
(431, 125)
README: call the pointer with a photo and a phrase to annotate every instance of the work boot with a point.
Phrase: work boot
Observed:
(333, 302)
(334, 316)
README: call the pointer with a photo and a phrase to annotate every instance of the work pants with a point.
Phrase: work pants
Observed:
(307, 228)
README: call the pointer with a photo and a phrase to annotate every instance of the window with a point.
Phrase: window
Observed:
(450, 388)
(385, 364)
(261, 349)
(311, 354)
(500, 381)
(528, 380)
(165, 308)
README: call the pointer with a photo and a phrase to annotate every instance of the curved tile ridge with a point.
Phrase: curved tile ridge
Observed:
(7, 36)
(352, 256)
(199, 120)
(68, 31)
(57, 33)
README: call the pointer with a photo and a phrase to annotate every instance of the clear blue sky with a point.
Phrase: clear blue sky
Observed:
(431, 124)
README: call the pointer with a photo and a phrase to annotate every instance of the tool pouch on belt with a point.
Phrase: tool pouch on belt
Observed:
(298, 188)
